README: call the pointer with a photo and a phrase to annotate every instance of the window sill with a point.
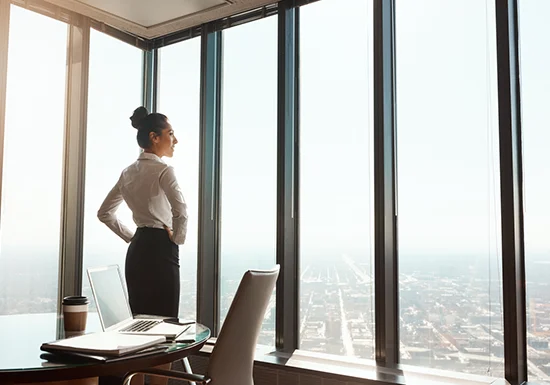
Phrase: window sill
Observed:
(358, 370)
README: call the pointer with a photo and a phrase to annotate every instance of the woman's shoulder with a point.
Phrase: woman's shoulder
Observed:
(167, 170)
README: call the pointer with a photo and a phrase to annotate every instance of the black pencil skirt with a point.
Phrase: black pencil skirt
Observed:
(153, 273)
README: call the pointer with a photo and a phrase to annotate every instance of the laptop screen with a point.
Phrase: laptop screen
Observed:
(109, 295)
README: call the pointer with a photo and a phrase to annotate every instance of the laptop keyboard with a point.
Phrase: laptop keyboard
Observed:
(140, 326)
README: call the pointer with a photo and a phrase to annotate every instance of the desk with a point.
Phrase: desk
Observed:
(20, 362)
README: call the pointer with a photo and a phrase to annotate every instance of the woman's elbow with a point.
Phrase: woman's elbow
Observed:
(103, 216)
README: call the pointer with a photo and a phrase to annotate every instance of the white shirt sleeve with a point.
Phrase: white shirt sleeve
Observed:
(170, 186)
(106, 214)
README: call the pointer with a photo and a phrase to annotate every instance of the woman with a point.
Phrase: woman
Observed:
(150, 189)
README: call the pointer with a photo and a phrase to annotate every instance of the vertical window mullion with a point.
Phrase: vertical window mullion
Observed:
(286, 327)
(150, 79)
(511, 182)
(208, 303)
(385, 213)
(72, 219)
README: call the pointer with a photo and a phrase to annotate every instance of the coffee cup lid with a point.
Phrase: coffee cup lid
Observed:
(75, 300)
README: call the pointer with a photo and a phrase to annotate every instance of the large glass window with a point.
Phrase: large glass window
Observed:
(249, 160)
(114, 92)
(33, 164)
(179, 99)
(448, 187)
(535, 97)
(336, 194)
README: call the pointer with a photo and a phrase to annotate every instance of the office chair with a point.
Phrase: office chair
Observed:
(232, 358)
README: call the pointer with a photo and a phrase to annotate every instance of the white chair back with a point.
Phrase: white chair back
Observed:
(232, 359)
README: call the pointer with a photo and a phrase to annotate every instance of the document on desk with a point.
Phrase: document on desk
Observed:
(74, 357)
(109, 344)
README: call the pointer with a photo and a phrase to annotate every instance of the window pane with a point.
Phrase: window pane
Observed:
(448, 186)
(535, 87)
(179, 99)
(33, 164)
(336, 194)
(249, 159)
(113, 94)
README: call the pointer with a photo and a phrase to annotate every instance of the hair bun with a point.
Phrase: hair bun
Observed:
(137, 117)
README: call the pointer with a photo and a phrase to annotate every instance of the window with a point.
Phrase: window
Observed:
(448, 187)
(249, 159)
(33, 164)
(179, 99)
(535, 94)
(336, 173)
(114, 92)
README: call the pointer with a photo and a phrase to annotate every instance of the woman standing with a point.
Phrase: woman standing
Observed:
(150, 189)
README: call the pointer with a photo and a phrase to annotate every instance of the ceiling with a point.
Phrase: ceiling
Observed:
(151, 19)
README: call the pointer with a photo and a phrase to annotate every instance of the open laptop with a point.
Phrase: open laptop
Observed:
(114, 310)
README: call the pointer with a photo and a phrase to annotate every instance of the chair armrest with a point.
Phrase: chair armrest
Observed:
(197, 378)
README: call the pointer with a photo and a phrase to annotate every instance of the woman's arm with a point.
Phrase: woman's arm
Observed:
(172, 190)
(106, 214)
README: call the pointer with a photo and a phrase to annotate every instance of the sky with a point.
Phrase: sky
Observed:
(535, 121)
(448, 200)
(447, 124)
(444, 96)
(447, 127)
(34, 131)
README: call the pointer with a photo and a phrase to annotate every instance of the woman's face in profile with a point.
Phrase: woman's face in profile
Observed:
(164, 143)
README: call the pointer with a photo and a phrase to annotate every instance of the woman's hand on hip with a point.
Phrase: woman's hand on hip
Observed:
(169, 231)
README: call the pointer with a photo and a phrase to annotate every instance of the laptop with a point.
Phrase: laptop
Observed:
(114, 309)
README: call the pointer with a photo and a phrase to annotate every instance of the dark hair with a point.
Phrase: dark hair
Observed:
(147, 123)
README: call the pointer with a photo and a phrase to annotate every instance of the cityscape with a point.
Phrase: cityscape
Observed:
(451, 316)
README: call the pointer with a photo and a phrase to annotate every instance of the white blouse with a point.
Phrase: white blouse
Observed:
(150, 189)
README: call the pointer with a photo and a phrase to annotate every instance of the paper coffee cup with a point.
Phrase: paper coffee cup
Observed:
(75, 313)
